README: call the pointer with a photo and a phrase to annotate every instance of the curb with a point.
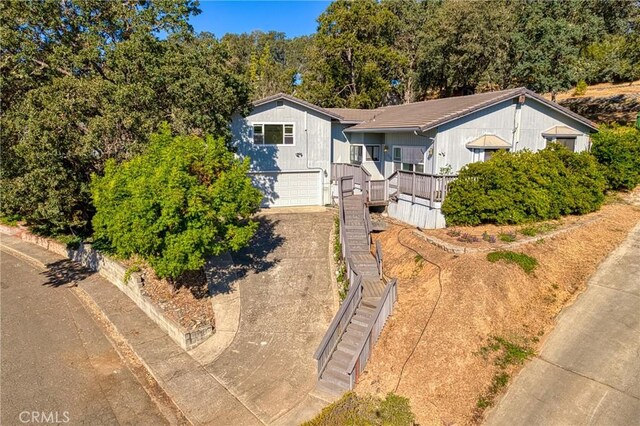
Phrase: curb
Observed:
(17, 253)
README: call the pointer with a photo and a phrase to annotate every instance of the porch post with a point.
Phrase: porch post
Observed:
(413, 187)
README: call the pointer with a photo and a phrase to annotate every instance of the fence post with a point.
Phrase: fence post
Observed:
(413, 187)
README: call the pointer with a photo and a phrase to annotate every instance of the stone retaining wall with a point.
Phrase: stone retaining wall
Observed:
(115, 272)
(454, 248)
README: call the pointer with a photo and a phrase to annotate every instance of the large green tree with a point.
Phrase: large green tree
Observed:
(85, 81)
(353, 61)
(269, 61)
(464, 47)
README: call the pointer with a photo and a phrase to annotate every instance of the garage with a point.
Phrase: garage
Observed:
(291, 188)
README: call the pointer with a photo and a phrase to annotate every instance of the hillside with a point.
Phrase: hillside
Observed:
(445, 374)
(605, 102)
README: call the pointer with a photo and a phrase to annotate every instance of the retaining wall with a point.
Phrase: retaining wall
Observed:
(115, 273)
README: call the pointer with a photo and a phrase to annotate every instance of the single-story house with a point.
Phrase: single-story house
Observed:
(405, 155)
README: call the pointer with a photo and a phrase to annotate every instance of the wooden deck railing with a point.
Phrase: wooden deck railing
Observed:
(380, 315)
(422, 185)
(378, 191)
(339, 324)
(361, 176)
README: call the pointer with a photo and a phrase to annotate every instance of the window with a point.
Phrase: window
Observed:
(373, 152)
(567, 142)
(273, 134)
(355, 154)
(488, 153)
(408, 159)
(397, 153)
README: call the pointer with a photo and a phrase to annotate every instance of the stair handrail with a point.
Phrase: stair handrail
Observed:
(338, 325)
(379, 257)
(384, 307)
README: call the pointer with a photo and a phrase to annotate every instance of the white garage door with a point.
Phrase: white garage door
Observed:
(289, 188)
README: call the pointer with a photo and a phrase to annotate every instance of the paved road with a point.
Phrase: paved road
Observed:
(57, 365)
(589, 369)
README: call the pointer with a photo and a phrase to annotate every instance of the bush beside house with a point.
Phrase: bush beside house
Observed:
(520, 187)
(617, 149)
(184, 198)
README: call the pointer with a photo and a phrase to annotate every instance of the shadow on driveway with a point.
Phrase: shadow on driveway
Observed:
(255, 258)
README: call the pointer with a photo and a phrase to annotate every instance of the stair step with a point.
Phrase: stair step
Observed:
(354, 332)
(336, 378)
(348, 346)
(357, 328)
(342, 355)
(352, 338)
(330, 387)
(339, 366)
(371, 302)
(364, 310)
(361, 320)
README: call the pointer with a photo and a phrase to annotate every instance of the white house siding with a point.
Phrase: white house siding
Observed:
(537, 117)
(408, 139)
(452, 137)
(340, 143)
(310, 153)
(501, 120)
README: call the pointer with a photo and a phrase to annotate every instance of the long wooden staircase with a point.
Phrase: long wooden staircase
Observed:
(347, 345)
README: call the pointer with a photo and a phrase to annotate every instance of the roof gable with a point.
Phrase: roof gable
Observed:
(427, 115)
(298, 101)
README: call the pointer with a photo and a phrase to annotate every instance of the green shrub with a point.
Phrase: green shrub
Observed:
(183, 199)
(617, 150)
(353, 409)
(507, 237)
(541, 228)
(527, 263)
(581, 88)
(513, 188)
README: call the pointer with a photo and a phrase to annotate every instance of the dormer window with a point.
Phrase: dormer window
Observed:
(488, 145)
(563, 135)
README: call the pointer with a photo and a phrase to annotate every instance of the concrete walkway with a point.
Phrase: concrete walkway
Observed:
(588, 371)
(263, 371)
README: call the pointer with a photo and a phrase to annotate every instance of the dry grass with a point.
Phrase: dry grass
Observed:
(600, 90)
(445, 376)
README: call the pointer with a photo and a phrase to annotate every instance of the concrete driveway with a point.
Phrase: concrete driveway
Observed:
(589, 369)
(272, 310)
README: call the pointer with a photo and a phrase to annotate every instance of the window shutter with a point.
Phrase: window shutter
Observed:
(413, 154)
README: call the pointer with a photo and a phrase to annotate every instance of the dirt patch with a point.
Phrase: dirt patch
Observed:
(433, 357)
(186, 302)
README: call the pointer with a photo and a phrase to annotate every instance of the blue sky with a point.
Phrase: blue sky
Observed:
(294, 18)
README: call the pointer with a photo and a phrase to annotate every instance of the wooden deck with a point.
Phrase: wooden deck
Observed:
(364, 311)
(380, 192)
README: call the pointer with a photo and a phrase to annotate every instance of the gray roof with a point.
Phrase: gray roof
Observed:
(421, 116)
(353, 115)
(426, 115)
(284, 96)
